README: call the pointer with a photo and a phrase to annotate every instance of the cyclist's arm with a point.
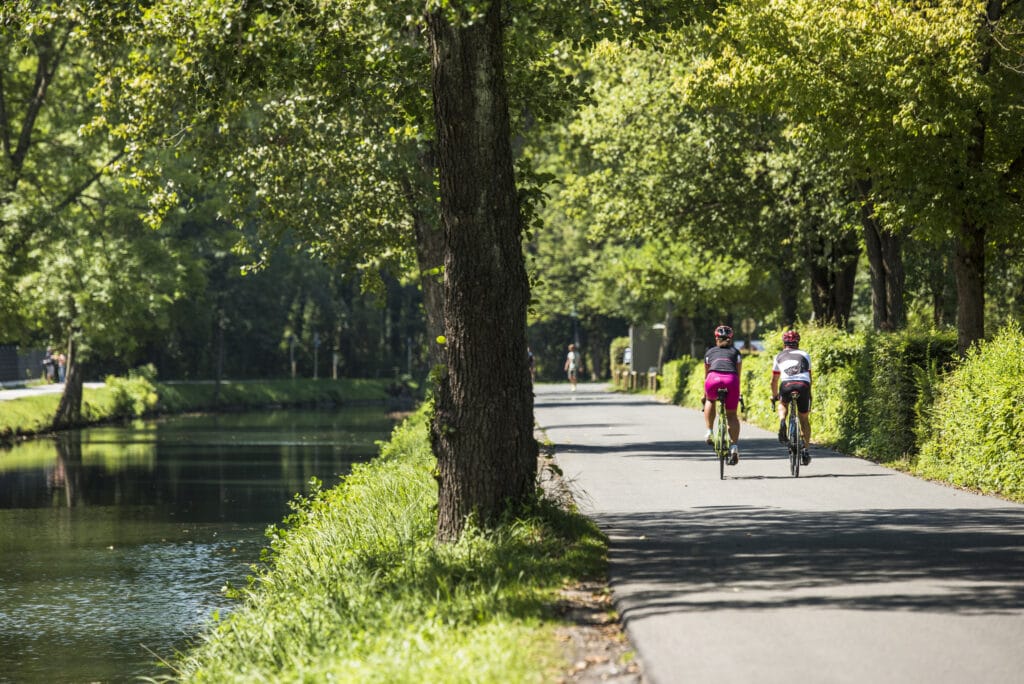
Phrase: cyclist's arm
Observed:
(775, 384)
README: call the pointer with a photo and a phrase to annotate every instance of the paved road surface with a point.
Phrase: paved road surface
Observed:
(851, 573)
(8, 393)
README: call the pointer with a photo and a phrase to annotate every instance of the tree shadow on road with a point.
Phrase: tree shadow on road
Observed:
(728, 557)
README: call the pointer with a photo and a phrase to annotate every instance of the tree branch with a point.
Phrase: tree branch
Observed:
(46, 68)
(82, 187)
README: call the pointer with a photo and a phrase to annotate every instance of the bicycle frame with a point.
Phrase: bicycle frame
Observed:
(720, 432)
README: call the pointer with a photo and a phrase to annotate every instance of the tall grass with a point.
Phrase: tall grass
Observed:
(354, 588)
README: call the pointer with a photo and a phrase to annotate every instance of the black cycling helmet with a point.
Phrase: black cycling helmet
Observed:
(790, 338)
(723, 332)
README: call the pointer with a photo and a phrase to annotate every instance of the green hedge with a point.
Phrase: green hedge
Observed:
(976, 435)
(675, 378)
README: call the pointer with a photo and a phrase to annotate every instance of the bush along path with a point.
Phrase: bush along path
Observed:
(903, 399)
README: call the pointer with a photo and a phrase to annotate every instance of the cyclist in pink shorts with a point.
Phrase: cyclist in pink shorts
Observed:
(722, 369)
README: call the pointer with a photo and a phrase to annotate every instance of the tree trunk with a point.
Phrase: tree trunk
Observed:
(895, 279)
(833, 268)
(969, 259)
(789, 284)
(430, 258)
(885, 261)
(420, 194)
(69, 411)
(969, 268)
(482, 432)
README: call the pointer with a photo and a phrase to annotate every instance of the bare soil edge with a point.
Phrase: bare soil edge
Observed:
(593, 639)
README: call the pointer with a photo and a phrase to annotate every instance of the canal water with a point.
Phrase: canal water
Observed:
(116, 542)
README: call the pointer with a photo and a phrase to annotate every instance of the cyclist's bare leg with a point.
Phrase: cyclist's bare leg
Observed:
(805, 426)
(734, 426)
(709, 414)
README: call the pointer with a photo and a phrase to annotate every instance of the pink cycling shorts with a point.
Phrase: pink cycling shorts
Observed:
(730, 381)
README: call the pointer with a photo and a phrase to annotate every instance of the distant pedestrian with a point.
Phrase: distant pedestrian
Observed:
(62, 362)
(533, 365)
(49, 365)
(572, 364)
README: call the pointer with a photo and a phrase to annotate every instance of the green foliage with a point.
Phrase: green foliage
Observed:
(355, 589)
(179, 397)
(27, 416)
(976, 438)
(899, 388)
(135, 395)
(616, 354)
(676, 377)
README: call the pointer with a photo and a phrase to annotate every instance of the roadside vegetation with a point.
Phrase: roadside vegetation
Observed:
(354, 587)
(904, 399)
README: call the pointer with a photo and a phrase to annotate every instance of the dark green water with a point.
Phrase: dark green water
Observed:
(115, 542)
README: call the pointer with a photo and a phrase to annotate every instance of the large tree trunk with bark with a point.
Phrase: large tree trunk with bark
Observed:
(969, 258)
(482, 433)
(969, 269)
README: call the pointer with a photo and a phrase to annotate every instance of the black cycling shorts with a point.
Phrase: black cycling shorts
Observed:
(803, 400)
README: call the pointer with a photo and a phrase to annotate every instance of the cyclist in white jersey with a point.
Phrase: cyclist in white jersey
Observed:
(791, 371)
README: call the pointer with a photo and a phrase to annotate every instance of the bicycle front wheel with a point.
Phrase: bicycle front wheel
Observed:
(721, 445)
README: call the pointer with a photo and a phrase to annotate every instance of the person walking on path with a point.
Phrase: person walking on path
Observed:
(572, 364)
(792, 366)
(722, 369)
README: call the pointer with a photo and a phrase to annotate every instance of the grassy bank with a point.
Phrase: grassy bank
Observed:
(356, 590)
(140, 395)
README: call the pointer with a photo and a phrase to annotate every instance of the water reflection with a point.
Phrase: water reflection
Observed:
(115, 542)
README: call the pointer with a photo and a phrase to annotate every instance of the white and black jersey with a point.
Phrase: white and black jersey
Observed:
(793, 365)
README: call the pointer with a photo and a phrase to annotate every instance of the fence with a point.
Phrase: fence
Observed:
(18, 365)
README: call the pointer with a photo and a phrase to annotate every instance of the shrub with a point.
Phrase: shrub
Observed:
(616, 353)
(977, 434)
(899, 367)
(135, 395)
(675, 377)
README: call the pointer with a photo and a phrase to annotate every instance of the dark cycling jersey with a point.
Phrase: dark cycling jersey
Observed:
(723, 359)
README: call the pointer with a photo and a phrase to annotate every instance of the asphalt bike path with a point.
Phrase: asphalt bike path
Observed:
(850, 573)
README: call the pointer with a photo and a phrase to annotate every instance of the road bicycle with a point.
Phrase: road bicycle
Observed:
(794, 434)
(720, 432)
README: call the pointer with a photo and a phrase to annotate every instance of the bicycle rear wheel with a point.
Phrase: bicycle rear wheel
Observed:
(794, 445)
